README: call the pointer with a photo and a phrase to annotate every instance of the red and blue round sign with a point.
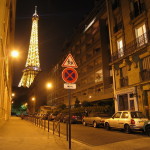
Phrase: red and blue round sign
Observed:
(69, 75)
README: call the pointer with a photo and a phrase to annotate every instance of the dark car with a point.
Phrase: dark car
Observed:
(146, 127)
(75, 118)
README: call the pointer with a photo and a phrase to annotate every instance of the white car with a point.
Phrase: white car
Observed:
(127, 120)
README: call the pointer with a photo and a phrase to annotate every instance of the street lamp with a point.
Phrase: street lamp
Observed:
(49, 85)
(14, 53)
(33, 99)
(13, 94)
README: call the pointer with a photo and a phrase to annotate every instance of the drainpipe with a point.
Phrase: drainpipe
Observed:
(111, 49)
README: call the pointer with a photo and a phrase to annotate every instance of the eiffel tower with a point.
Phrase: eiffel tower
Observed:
(32, 67)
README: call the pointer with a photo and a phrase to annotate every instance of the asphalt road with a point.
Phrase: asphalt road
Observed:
(98, 136)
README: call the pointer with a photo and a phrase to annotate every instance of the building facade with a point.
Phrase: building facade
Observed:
(129, 31)
(119, 28)
(7, 26)
(90, 49)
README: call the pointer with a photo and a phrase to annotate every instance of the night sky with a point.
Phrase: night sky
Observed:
(57, 21)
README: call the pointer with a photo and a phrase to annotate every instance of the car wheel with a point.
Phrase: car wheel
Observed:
(84, 123)
(127, 129)
(107, 126)
(95, 124)
(147, 130)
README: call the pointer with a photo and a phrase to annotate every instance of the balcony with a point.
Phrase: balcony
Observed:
(131, 47)
(145, 74)
(124, 81)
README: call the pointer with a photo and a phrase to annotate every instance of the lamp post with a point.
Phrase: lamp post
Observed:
(49, 86)
(33, 100)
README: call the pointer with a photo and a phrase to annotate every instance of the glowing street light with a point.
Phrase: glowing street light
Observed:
(13, 94)
(33, 98)
(49, 85)
(14, 53)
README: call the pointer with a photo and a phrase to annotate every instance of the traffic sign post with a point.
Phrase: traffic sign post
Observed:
(69, 86)
(69, 62)
(70, 76)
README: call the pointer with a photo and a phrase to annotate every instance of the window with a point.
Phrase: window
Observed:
(98, 76)
(145, 73)
(120, 48)
(117, 115)
(141, 36)
(125, 115)
(146, 63)
(137, 8)
(123, 102)
(137, 115)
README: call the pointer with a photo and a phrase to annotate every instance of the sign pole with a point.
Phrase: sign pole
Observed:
(70, 76)
(69, 120)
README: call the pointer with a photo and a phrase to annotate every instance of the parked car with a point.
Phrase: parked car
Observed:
(127, 120)
(146, 127)
(75, 118)
(95, 119)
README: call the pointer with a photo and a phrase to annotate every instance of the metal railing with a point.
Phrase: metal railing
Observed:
(45, 124)
(131, 47)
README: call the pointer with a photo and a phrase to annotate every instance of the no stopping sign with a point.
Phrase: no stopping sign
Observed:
(69, 75)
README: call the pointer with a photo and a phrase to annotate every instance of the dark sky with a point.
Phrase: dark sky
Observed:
(57, 20)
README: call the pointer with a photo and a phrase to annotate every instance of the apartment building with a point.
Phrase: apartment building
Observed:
(130, 53)
(90, 49)
(7, 22)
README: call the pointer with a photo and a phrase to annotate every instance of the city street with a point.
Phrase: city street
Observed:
(99, 136)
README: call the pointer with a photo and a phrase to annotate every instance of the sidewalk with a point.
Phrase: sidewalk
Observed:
(17, 134)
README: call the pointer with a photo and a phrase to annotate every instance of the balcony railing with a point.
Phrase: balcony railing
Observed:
(124, 81)
(131, 47)
(145, 74)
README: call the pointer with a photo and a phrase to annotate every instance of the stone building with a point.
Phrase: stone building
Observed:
(90, 49)
(7, 24)
(129, 23)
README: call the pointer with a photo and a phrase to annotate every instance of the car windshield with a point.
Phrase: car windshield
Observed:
(137, 115)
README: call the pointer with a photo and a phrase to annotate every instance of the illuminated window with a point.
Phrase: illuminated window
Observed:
(120, 48)
(98, 76)
(141, 36)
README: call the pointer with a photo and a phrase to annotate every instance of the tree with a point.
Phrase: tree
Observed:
(86, 104)
(62, 106)
(77, 103)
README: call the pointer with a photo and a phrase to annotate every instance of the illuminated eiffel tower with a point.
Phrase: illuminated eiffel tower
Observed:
(32, 67)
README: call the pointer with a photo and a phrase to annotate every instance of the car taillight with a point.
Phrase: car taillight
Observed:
(73, 117)
(132, 121)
